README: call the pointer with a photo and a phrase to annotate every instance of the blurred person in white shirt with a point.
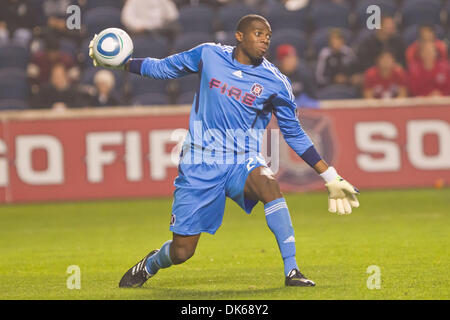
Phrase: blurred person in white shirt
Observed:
(141, 16)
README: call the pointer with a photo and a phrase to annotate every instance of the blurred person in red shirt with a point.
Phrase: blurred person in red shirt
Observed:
(386, 38)
(58, 93)
(43, 61)
(429, 76)
(426, 34)
(386, 79)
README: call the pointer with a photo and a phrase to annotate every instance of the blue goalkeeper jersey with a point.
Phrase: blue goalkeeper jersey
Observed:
(233, 103)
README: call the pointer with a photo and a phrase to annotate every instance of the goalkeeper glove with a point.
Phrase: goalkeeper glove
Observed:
(97, 63)
(341, 194)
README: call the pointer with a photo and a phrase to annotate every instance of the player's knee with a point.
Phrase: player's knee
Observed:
(182, 254)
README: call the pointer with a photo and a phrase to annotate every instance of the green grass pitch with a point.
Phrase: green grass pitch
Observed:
(406, 233)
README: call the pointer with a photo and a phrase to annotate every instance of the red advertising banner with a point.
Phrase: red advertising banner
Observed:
(129, 153)
(386, 147)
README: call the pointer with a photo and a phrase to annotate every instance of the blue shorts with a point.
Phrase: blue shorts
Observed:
(201, 190)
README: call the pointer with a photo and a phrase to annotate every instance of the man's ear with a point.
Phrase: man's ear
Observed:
(239, 36)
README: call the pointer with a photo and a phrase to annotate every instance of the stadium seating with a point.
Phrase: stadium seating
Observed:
(187, 84)
(319, 39)
(190, 40)
(419, 12)
(13, 104)
(306, 71)
(230, 15)
(337, 92)
(186, 88)
(150, 46)
(294, 37)
(84, 50)
(306, 29)
(100, 18)
(362, 34)
(280, 18)
(411, 33)
(70, 47)
(13, 84)
(388, 8)
(197, 19)
(90, 4)
(327, 14)
(186, 98)
(89, 73)
(141, 85)
(150, 99)
(226, 38)
(14, 56)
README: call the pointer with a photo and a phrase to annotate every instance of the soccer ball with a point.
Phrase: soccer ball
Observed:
(113, 47)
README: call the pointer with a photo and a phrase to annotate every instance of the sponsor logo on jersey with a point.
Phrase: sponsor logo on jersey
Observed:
(233, 92)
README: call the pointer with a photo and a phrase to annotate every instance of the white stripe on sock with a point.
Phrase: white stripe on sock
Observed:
(275, 207)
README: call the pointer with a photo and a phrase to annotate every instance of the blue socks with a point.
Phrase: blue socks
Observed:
(159, 260)
(279, 222)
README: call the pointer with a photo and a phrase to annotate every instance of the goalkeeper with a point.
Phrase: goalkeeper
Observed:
(238, 90)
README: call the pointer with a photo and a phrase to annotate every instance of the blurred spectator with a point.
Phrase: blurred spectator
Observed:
(140, 16)
(288, 62)
(385, 38)
(102, 95)
(337, 62)
(386, 79)
(426, 34)
(17, 19)
(42, 62)
(58, 93)
(291, 5)
(55, 15)
(429, 76)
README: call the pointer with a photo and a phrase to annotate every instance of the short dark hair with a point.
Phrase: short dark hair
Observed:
(336, 32)
(245, 21)
(385, 51)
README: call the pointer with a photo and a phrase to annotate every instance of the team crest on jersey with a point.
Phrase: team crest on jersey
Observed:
(173, 218)
(257, 89)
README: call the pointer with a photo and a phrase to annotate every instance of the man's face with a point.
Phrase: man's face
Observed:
(336, 43)
(386, 62)
(427, 34)
(388, 26)
(255, 39)
(103, 87)
(289, 64)
(59, 78)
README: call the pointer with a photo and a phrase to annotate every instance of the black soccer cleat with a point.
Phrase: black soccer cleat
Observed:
(296, 279)
(137, 275)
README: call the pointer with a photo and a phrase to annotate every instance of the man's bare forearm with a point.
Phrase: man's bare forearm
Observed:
(321, 166)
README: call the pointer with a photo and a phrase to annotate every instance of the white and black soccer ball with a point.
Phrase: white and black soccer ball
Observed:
(113, 47)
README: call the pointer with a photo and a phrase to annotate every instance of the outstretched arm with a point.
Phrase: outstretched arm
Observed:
(341, 194)
(174, 66)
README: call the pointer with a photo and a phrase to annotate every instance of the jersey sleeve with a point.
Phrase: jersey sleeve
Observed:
(174, 66)
(285, 111)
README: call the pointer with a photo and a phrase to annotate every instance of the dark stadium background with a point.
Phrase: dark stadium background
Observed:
(41, 25)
